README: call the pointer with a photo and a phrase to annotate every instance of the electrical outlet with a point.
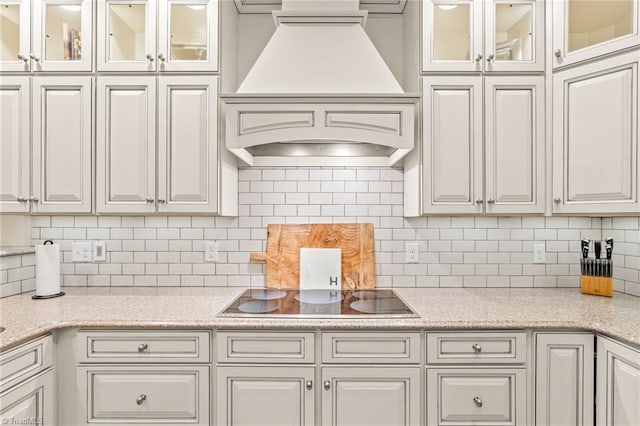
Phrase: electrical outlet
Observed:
(99, 251)
(210, 251)
(412, 253)
(82, 251)
(539, 254)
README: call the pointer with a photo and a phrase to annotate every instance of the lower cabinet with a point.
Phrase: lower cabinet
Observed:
(618, 384)
(30, 403)
(265, 395)
(564, 379)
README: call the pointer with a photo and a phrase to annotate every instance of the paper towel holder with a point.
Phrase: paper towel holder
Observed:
(49, 296)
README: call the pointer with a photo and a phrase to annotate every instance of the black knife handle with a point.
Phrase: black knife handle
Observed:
(597, 248)
(609, 250)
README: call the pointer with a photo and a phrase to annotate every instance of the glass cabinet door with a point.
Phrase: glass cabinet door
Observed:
(514, 32)
(15, 34)
(127, 35)
(62, 35)
(587, 29)
(188, 35)
(452, 35)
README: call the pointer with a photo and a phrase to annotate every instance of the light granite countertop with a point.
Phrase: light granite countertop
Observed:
(437, 308)
(15, 250)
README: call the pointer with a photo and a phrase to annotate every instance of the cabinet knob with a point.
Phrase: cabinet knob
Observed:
(476, 348)
(326, 385)
(23, 58)
(478, 58)
(491, 201)
(477, 401)
(34, 57)
(309, 384)
(149, 199)
(21, 199)
(149, 57)
(557, 200)
(161, 57)
(557, 53)
(34, 199)
(161, 200)
(142, 347)
(490, 58)
(479, 201)
(140, 399)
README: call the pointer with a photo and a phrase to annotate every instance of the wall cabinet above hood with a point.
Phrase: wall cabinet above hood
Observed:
(320, 130)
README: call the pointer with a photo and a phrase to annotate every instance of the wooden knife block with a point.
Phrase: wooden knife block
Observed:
(600, 286)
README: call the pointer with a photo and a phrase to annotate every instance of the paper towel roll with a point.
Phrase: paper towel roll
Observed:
(47, 269)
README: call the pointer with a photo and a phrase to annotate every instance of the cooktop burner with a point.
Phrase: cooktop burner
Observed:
(318, 303)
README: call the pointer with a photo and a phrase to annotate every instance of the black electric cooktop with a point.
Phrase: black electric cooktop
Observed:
(318, 303)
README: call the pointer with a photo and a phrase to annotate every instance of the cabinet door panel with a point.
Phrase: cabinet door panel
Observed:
(564, 379)
(187, 144)
(15, 40)
(370, 396)
(452, 132)
(33, 399)
(126, 35)
(595, 137)
(61, 167)
(514, 147)
(265, 396)
(618, 379)
(125, 161)
(14, 144)
(62, 35)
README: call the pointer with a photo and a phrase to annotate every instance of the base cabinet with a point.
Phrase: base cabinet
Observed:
(564, 379)
(30, 403)
(618, 389)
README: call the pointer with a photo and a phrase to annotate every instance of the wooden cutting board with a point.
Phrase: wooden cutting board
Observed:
(284, 242)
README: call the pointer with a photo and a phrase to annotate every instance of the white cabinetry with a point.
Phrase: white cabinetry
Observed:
(584, 30)
(46, 35)
(14, 145)
(473, 35)
(166, 378)
(595, 137)
(186, 33)
(184, 168)
(564, 379)
(618, 384)
(500, 173)
(476, 378)
(27, 388)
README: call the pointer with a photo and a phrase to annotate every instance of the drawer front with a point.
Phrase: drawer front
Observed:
(265, 347)
(378, 347)
(143, 346)
(146, 395)
(477, 348)
(31, 402)
(20, 363)
(478, 396)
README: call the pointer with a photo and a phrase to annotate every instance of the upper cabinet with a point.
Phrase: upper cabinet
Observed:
(150, 35)
(52, 35)
(483, 36)
(584, 30)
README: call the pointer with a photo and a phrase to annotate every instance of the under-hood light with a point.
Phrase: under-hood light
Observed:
(447, 6)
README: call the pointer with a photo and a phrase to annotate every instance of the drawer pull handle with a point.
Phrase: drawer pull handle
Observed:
(477, 401)
(142, 347)
(309, 384)
(476, 348)
(327, 385)
(142, 398)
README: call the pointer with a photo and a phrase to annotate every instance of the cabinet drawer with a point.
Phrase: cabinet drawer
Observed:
(20, 363)
(143, 346)
(384, 348)
(478, 396)
(267, 347)
(168, 395)
(476, 348)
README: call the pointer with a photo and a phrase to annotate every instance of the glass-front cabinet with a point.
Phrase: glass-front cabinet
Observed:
(15, 36)
(61, 31)
(185, 32)
(472, 35)
(587, 29)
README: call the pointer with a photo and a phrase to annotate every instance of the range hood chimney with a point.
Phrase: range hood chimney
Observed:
(320, 94)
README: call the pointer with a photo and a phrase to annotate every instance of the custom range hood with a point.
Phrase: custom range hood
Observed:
(319, 94)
